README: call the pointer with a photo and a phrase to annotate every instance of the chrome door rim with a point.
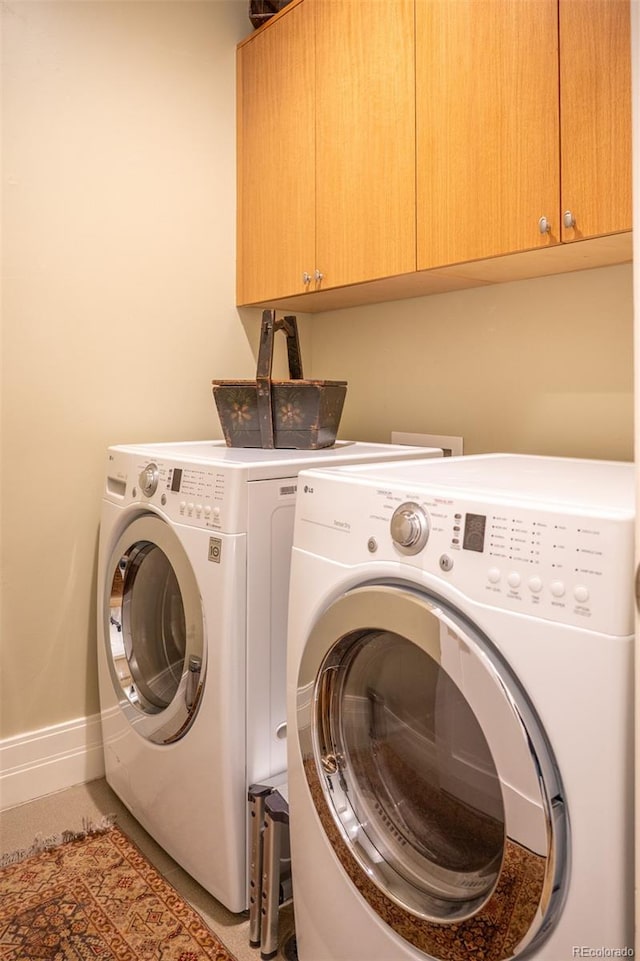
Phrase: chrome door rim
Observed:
(161, 724)
(401, 609)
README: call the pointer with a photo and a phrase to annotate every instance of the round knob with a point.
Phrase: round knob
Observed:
(306, 278)
(318, 276)
(148, 480)
(409, 528)
(544, 226)
(568, 219)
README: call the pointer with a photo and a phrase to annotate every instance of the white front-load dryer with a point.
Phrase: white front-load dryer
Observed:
(460, 711)
(193, 577)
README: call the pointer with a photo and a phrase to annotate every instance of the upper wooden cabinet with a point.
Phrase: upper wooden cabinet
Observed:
(276, 157)
(595, 113)
(523, 122)
(326, 148)
(391, 149)
(488, 151)
(365, 139)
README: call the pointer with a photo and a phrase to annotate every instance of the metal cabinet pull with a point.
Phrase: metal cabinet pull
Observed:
(318, 276)
(568, 219)
(544, 225)
(306, 278)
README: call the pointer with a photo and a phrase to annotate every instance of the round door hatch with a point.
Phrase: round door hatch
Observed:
(154, 630)
(431, 774)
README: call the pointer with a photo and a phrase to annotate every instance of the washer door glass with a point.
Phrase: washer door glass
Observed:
(154, 630)
(430, 773)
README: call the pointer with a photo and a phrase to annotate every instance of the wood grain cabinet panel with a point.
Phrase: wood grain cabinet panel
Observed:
(276, 158)
(523, 113)
(391, 148)
(595, 111)
(365, 139)
(488, 164)
(326, 141)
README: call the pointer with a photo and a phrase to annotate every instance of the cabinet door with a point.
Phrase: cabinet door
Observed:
(595, 111)
(276, 145)
(487, 127)
(365, 134)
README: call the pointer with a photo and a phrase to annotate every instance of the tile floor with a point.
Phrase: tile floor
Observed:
(68, 809)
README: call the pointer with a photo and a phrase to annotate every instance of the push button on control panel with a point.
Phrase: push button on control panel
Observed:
(581, 593)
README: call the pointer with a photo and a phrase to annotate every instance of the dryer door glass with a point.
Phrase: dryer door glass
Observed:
(155, 633)
(430, 772)
(421, 781)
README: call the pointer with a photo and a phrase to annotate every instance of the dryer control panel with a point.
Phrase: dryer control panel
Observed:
(569, 565)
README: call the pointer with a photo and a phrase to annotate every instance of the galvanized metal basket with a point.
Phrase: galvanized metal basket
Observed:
(296, 413)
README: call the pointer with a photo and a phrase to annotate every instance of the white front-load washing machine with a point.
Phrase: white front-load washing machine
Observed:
(460, 710)
(193, 578)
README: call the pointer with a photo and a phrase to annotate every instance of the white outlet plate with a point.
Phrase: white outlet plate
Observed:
(451, 446)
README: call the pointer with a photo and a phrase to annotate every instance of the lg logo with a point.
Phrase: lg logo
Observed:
(307, 489)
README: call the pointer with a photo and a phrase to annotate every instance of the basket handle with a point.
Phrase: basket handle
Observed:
(265, 363)
(294, 358)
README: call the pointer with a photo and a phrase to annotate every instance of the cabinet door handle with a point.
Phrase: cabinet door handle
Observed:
(544, 226)
(318, 276)
(306, 278)
(568, 219)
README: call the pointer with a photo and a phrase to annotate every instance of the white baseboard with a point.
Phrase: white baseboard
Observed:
(49, 760)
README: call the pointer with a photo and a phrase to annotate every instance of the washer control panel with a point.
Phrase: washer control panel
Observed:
(199, 495)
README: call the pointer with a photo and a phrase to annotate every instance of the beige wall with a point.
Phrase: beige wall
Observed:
(118, 295)
(542, 366)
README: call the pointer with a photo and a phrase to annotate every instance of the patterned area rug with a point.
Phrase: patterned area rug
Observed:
(95, 897)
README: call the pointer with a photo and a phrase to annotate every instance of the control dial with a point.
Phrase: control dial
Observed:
(409, 528)
(148, 480)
